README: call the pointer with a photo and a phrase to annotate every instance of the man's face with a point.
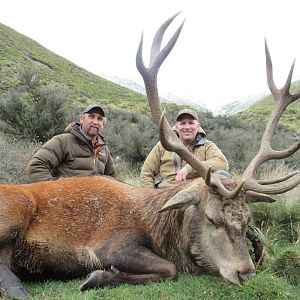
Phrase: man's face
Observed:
(91, 123)
(187, 128)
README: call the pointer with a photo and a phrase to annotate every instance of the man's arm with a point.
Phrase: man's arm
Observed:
(150, 168)
(214, 157)
(45, 161)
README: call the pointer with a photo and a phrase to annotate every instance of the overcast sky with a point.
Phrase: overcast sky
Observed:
(219, 57)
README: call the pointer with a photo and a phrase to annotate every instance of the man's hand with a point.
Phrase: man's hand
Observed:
(181, 175)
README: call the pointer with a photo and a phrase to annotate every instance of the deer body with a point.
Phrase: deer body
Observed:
(71, 227)
(66, 218)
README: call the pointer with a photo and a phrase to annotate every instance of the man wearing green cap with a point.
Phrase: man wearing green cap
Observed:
(163, 168)
(79, 151)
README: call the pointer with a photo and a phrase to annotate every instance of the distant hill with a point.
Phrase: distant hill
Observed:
(238, 106)
(165, 97)
(260, 111)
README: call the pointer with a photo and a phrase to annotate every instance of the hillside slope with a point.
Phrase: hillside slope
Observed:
(19, 52)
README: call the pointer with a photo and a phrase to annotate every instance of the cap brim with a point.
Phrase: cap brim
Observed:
(97, 109)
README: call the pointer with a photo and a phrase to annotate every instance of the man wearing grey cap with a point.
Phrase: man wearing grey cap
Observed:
(163, 168)
(80, 151)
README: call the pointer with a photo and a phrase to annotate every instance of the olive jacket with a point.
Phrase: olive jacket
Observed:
(161, 166)
(71, 154)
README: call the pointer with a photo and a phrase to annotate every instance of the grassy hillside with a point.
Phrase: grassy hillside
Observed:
(260, 112)
(18, 52)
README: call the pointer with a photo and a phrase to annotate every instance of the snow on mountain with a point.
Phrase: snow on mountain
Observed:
(237, 106)
(228, 109)
(165, 96)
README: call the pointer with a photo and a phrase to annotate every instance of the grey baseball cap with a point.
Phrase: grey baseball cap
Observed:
(94, 108)
(187, 111)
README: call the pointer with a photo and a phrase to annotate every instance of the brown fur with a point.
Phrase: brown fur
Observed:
(70, 227)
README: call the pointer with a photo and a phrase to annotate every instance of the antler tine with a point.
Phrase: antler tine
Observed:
(285, 91)
(208, 176)
(157, 58)
(223, 191)
(156, 44)
(272, 190)
(282, 99)
(277, 180)
(282, 96)
(269, 67)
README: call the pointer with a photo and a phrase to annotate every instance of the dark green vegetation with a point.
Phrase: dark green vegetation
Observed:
(41, 92)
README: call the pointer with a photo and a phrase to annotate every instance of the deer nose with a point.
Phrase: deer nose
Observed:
(244, 276)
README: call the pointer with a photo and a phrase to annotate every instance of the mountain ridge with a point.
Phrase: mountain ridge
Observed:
(165, 96)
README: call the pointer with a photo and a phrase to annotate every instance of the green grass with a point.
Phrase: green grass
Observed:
(263, 286)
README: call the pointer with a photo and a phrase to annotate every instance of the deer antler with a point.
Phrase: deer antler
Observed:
(168, 138)
(282, 98)
(157, 57)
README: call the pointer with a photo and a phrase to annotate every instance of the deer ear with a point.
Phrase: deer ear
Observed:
(183, 199)
(258, 197)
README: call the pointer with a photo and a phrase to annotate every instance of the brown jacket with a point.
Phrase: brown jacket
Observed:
(162, 165)
(71, 154)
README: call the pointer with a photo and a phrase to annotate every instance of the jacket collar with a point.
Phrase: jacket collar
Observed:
(200, 139)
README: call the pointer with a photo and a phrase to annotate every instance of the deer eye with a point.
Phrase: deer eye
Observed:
(211, 220)
(249, 219)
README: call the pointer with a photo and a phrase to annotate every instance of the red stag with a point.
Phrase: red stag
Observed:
(118, 233)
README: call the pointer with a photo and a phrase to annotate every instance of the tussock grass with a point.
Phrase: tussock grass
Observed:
(128, 172)
(14, 158)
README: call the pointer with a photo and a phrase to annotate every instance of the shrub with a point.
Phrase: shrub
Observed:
(34, 111)
(130, 136)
